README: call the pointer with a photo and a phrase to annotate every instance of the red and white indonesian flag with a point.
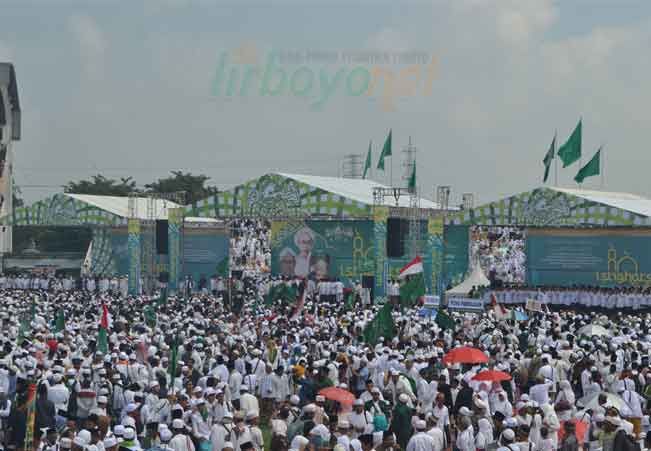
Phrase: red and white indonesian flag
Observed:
(501, 314)
(413, 267)
(106, 320)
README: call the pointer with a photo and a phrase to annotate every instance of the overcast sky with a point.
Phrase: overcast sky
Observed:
(129, 88)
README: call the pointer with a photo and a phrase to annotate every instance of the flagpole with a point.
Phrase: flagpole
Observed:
(555, 160)
(580, 149)
(602, 164)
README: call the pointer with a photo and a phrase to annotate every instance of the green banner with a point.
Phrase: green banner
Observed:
(324, 249)
(133, 246)
(175, 221)
(456, 248)
(607, 258)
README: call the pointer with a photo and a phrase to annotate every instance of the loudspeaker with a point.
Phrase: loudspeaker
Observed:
(162, 247)
(368, 281)
(164, 277)
(396, 230)
(237, 274)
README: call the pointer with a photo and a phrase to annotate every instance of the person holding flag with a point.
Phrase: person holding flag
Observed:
(413, 287)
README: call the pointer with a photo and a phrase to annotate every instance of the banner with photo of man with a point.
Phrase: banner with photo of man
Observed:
(323, 249)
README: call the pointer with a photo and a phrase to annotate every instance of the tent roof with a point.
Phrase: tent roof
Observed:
(359, 190)
(120, 205)
(475, 279)
(625, 201)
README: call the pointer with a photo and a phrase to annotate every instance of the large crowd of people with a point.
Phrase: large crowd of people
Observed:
(202, 372)
(249, 245)
(585, 297)
(500, 251)
(256, 362)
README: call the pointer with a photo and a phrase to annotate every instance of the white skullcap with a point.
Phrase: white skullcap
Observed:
(508, 434)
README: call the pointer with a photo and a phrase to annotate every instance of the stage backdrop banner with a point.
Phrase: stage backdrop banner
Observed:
(174, 224)
(204, 250)
(343, 249)
(456, 247)
(607, 258)
(133, 249)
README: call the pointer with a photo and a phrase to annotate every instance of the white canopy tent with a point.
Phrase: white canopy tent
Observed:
(475, 279)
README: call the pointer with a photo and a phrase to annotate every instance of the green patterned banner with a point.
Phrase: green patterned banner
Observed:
(435, 246)
(175, 221)
(133, 245)
(456, 250)
(547, 207)
(274, 195)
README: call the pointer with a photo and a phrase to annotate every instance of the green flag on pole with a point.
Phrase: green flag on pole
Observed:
(386, 152)
(381, 326)
(222, 268)
(412, 290)
(412, 180)
(60, 324)
(549, 157)
(443, 320)
(150, 316)
(592, 168)
(174, 358)
(32, 310)
(367, 165)
(350, 301)
(102, 336)
(571, 150)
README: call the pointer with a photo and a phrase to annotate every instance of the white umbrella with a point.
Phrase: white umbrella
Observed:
(594, 330)
(592, 402)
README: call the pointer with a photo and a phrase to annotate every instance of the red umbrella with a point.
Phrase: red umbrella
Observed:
(338, 394)
(492, 376)
(465, 354)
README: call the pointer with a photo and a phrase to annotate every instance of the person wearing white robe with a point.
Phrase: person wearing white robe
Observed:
(436, 433)
(466, 437)
(566, 394)
(220, 432)
(420, 441)
(501, 404)
(484, 436)
(551, 422)
(180, 441)
(248, 402)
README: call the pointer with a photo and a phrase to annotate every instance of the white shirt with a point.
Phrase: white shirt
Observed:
(421, 442)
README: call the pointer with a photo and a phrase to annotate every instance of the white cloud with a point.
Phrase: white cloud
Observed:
(92, 44)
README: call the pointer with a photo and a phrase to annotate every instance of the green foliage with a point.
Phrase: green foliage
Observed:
(193, 185)
(102, 186)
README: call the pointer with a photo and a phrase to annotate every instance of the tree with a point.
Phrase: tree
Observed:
(102, 186)
(194, 186)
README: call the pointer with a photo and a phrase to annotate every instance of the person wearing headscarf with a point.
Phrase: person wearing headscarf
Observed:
(299, 443)
(484, 435)
(551, 422)
(466, 438)
(565, 401)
